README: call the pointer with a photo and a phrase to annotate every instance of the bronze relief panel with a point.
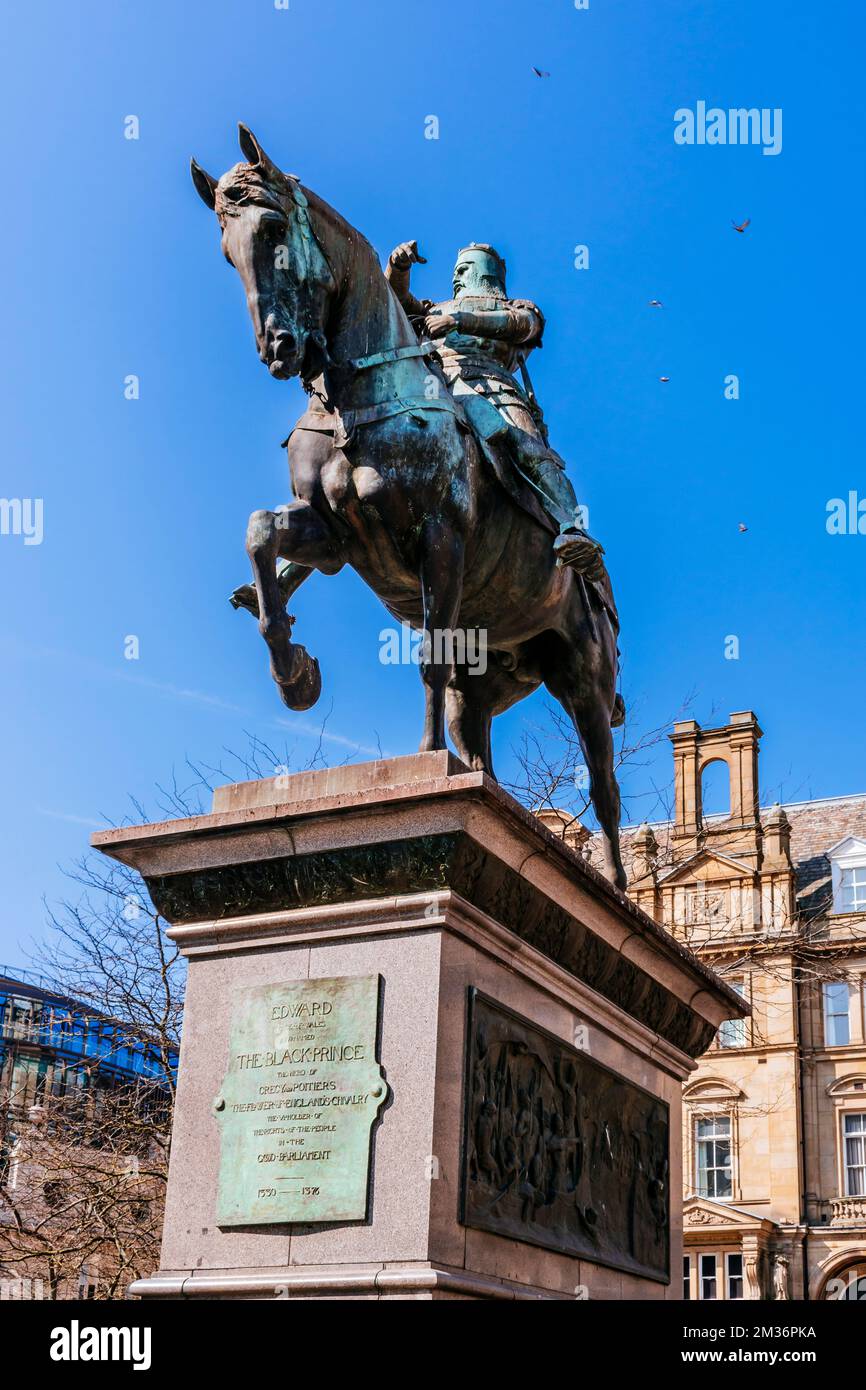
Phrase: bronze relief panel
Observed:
(561, 1152)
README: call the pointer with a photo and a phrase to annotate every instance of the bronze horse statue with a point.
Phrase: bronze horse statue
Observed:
(388, 479)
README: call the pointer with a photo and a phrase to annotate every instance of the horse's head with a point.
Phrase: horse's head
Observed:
(267, 237)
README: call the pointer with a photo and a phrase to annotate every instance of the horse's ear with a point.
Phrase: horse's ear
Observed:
(253, 152)
(205, 185)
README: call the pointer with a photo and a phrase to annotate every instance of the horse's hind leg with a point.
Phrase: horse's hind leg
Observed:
(592, 721)
(581, 673)
(469, 721)
(475, 695)
(441, 573)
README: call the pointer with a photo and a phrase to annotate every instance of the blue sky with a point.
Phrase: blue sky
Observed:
(112, 267)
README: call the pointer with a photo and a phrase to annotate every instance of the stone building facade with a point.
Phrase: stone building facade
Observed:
(774, 899)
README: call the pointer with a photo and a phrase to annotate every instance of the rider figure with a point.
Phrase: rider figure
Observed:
(482, 337)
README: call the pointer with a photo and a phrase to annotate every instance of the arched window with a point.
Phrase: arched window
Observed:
(715, 789)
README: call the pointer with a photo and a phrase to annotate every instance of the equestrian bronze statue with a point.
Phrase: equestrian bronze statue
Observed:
(422, 463)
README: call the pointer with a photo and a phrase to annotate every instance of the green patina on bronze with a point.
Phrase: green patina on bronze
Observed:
(423, 464)
(306, 880)
(434, 863)
(302, 1090)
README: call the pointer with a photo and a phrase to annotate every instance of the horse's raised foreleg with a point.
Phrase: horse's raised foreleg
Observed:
(441, 574)
(296, 532)
(290, 576)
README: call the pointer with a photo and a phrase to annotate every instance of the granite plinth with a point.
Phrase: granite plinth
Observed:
(432, 878)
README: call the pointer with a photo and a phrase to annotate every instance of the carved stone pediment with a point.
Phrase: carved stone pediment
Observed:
(712, 1088)
(704, 1213)
(706, 867)
(853, 1084)
(700, 1217)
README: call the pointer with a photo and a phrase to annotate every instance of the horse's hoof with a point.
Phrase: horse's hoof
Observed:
(617, 717)
(302, 689)
(429, 744)
(245, 596)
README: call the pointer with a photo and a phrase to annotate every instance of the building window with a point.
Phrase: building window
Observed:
(851, 896)
(28, 1081)
(713, 1153)
(732, 1033)
(22, 1016)
(708, 1276)
(687, 1277)
(855, 1155)
(848, 871)
(837, 1025)
(735, 1275)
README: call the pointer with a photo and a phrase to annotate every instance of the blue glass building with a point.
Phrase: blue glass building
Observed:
(51, 1044)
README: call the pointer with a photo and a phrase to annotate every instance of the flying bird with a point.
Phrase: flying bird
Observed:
(540, 73)
(664, 378)
(742, 526)
(656, 304)
(741, 227)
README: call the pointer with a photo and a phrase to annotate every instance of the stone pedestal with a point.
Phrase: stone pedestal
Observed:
(534, 1031)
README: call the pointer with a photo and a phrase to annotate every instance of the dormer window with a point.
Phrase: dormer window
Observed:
(848, 866)
(852, 889)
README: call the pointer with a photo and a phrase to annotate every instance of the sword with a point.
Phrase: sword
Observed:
(533, 399)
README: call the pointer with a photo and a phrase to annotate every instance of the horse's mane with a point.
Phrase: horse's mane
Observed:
(337, 222)
(246, 185)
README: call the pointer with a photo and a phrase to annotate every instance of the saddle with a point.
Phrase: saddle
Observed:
(499, 461)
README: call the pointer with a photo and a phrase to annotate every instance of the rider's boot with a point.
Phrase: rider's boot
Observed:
(574, 547)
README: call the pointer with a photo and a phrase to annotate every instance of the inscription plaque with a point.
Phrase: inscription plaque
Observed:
(300, 1096)
(561, 1152)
